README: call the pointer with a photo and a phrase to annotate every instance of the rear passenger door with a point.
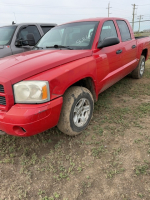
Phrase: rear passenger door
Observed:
(129, 49)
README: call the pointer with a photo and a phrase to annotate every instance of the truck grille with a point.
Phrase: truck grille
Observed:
(6, 94)
(1, 88)
(2, 101)
(2, 97)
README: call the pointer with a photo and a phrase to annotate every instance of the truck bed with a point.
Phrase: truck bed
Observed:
(141, 37)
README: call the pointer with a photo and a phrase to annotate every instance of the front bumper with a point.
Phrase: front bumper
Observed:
(30, 119)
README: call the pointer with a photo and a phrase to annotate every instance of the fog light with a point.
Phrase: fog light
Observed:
(19, 130)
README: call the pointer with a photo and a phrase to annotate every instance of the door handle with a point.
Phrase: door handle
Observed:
(134, 46)
(119, 51)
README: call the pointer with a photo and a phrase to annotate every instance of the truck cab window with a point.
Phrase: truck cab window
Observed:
(108, 30)
(46, 28)
(29, 29)
(124, 30)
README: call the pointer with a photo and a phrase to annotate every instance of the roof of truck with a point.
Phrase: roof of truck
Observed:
(100, 18)
(96, 19)
(43, 24)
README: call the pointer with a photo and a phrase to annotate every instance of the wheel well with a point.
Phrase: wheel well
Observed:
(89, 84)
(144, 53)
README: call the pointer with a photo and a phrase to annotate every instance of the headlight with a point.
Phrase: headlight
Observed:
(31, 92)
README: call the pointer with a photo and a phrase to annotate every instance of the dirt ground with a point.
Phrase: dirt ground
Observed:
(110, 160)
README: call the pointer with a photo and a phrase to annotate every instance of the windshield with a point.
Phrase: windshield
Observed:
(78, 35)
(6, 34)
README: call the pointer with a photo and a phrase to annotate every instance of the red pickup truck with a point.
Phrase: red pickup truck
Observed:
(58, 81)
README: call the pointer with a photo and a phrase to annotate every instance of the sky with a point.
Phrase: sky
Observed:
(62, 11)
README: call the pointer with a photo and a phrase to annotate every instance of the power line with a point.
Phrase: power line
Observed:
(118, 9)
(67, 7)
(34, 5)
(47, 6)
(142, 21)
(47, 13)
(144, 5)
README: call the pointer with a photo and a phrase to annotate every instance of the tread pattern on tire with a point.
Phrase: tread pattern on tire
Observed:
(68, 100)
(136, 72)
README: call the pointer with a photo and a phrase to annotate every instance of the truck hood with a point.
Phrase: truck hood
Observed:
(21, 66)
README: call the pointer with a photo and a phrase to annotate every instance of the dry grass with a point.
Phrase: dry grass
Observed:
(109, 161)
(142, 34)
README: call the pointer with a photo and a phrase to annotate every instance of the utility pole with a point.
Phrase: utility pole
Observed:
(134, 7)
(140, 17)
(108, 9)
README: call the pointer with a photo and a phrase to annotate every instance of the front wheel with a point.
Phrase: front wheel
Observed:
(139, 70)
(76, 111)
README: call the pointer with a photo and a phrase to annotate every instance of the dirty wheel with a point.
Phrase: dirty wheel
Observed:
(76, 111)
(139, 70)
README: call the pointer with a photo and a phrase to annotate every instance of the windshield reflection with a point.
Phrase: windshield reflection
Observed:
(78, 35)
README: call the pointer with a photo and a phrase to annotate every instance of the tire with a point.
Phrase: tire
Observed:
(77, 110)
(139, 70)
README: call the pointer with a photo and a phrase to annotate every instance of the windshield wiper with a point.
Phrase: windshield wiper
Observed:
(59, 46)
(38, 47)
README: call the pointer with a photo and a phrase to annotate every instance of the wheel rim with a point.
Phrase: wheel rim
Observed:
(81, 112)
(142, 68)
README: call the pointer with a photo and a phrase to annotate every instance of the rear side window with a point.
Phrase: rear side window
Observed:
(108, 30)
(46, 28)
(124, 30)
(29, 29)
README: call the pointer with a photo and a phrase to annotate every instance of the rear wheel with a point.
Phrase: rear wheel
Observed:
(76, 111)
(139, 70)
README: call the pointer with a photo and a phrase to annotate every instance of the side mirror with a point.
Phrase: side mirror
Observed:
(18, 43)
(30, 39)
(110, 41)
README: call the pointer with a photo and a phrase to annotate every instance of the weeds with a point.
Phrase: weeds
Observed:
(142, 169)
(107, 158)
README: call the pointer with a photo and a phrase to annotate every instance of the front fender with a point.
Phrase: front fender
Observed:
(62, 77)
